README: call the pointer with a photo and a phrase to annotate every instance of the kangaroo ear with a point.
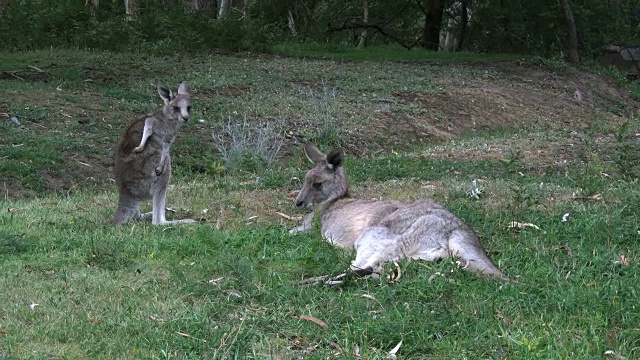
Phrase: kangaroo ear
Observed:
(184, 89)
(335, 159)
(165, 93)
(314, 155)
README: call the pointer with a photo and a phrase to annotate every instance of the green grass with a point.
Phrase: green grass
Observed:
(223, 288)
(384, 53)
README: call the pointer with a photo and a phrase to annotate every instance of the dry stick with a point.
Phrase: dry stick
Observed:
(14, 75)
(35, 68)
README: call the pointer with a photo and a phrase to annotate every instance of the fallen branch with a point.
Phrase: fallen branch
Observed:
(405, 44)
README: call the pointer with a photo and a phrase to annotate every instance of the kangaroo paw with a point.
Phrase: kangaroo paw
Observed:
(158, 171)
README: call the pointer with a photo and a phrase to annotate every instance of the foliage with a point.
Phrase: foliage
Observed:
(31, 24)
(528, 27)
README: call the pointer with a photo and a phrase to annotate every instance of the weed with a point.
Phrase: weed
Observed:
(324, 109)
(245, 145)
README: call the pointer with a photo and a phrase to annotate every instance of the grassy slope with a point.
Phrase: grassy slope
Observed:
(223, 287)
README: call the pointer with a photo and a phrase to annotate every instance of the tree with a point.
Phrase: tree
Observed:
(224, 9)
(457, 20)
(365, 22)
(572, 34)
(432, 22)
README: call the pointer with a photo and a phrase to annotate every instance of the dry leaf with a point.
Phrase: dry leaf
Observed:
(156, 318)
(370, 297)
(555, 260)
(288, 217)
(232, 292)
(565, 247)
(577, 95)
(215, 281)
(48, 203)
(392, 352)
(183, 334)
(621, 259)
(396, 275)
(336, 345)
(94, 320)
(313, 319)
(7, 333)
(356, 351)
(596, 197)
(519, 225)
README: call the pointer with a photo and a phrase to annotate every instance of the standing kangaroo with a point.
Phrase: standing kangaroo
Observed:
(143, 164)
(382, 231)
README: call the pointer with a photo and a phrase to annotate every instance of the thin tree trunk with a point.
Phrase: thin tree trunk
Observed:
(365, 21)
(92, 5)
(291, 24)
(131, 7)
(224, 9)
(572, 33)
(245, 8)
(432, 23)
(464, 24)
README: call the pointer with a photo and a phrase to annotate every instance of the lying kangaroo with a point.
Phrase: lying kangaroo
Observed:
(143, 163)
(382, 231)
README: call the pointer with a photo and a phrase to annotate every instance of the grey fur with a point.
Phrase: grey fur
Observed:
(143, 164)
(382, 231)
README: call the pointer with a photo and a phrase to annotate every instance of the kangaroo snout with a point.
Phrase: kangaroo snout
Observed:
(299, 203)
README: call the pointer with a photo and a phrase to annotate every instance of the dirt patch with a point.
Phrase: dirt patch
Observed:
(511, 97)
(30, 75)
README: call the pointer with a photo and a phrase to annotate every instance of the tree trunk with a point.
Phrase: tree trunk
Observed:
(245, 8)
(92, 6)
(572, 33)
(131, 7)
(432, 23)
(464, 24)
(291, 24)
(365, 21)
(224, 9)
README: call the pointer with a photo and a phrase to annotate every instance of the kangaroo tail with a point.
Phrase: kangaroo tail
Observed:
(466, 246)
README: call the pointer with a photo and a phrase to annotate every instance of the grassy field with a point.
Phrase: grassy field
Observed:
(75, 287)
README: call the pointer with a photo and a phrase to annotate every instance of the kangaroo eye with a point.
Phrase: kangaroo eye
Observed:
(176, 108)
(316, 185)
